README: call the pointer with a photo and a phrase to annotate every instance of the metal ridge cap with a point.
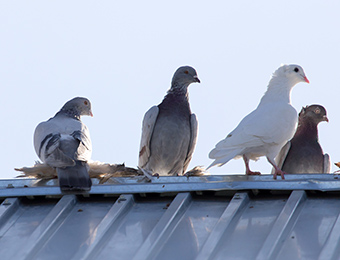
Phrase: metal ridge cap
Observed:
(322, 182)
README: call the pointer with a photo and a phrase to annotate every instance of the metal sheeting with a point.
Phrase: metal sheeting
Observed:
(211, 224)
(138, 184)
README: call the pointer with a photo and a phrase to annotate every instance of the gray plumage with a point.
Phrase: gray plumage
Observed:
(64, 142)
(169, 130)
(303, 153)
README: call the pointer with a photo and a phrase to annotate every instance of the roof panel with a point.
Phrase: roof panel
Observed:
(315, 222)
(214, 217)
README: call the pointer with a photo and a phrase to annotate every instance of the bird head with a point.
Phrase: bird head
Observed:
(315, 113)
(184, 76)
(79, 106)
(294, 73)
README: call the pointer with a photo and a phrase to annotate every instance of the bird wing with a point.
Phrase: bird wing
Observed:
(43, 132)
(149, 121)
(60, 140)
(84, 149)
(272, 123)
(267, 124)
(46, 144)
(193, 140)
(326, 163)
(254, 130)
(281, 157)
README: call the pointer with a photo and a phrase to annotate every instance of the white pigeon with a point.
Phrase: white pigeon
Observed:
(265, 130)
(63, 142)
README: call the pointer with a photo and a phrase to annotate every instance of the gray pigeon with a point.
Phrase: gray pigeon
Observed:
(303, 154)
(265, 130)
(169, 131)
(64, 142)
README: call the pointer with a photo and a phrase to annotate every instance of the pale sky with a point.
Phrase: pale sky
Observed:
(122, 56)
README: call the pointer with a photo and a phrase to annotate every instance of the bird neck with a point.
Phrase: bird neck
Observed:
(278, 90)
(177, 100)
(69, 113)
(307, 130)
(178, 90)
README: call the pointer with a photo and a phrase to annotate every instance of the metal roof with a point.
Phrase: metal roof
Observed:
(208, 217)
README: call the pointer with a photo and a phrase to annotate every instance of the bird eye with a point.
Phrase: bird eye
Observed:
(317, 111)
(296, 69)
(86, 103)
(186, 72)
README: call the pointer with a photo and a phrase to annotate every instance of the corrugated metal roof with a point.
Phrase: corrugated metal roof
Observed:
(209, 217)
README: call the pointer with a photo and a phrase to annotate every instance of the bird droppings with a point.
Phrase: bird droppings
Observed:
(167, 206)
(121, 199)
(6, 203)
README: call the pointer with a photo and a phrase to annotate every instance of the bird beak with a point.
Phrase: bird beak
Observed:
(91, 113)
(197, 79)
(305, 78)
(325, 118)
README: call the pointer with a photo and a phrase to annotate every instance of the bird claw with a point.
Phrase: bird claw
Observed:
(187, 174)
(252, 173)
(279, 172)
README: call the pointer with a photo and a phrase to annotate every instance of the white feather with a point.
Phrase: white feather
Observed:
(266, 129)
(147, 130)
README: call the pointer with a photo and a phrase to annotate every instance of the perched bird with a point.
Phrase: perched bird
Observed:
(265, 130)
(303, 154)
(64, 142)
(169, 130)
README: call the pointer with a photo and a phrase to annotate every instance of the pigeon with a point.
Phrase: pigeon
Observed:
(63, 142)
(169, 130)
(303, 153)
(265, 130)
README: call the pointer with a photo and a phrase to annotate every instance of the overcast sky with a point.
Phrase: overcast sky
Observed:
(122, 56)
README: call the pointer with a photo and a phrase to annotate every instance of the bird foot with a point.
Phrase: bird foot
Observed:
(187, 174)
(279, 172)
(252, 173)
(196, 171)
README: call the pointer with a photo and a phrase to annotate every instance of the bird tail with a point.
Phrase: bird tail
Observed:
(74, 178)
(222, 156)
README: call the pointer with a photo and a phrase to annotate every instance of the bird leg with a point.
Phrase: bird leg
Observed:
(248, 171)
(278, 171)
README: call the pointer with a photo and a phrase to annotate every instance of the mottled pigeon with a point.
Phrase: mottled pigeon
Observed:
(265, 130)
(303, 154)
(64, 142)
(169, 130)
